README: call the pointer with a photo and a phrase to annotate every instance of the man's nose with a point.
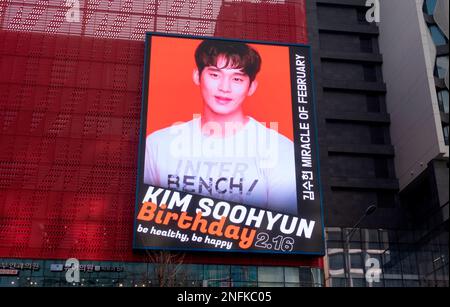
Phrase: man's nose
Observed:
(224, 85)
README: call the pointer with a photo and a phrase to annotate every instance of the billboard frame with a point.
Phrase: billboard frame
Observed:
(142, 138)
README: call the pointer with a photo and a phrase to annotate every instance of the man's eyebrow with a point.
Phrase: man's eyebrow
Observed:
(215, 68)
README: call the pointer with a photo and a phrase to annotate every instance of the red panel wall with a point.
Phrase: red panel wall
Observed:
(70, 98)
(69, 123)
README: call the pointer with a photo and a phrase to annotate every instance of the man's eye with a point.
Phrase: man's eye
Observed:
(213, 74)
(238, 79)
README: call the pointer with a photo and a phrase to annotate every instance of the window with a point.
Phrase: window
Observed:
(338, 282)
(306, 275)
(443, 101)
(358, 282)
(217, 272)
(445, 130)
(393, 283)
(244, 273)
(356, 261)
(429, 6)
(270, 275)
(336, 262)
(441, 66)
(438, 37)
(291, 275)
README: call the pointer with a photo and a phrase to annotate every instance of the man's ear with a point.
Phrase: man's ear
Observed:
(253, 87)
(196, 76)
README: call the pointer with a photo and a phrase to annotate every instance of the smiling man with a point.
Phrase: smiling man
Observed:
(223, 152)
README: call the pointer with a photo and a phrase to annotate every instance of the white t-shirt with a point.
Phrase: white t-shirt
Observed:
(254, 166)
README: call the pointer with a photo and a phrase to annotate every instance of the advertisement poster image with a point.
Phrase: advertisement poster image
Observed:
(227, 153)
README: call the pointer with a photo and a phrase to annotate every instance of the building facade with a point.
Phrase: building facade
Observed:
(417, 97)
(71, 82)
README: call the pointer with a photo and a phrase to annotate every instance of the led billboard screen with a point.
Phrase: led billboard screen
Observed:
(227, 155)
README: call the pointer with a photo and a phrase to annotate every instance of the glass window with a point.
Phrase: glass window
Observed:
(138, 272)
(317, 277)
(356, 261)
(244, 273)
(409, 263)
(191, 272)
(393, 283)
(354, 244)
(411, 283)
(358, 282)
(441, 283)
(270, 274)
(371, 235)
(405, 236)
(306, 275)
(391, 263)
(291, 275)
(334, 234)
(443, 101)
(440, 275)
(439, 38)
(441, 66)
(270, 284)
(244, 284)
(338, 282)
(445, 131)
(296, 284)
(428, 6)
(335, 244)
(425, 259)
(352, 234)
(336, 261)
(444, 237)
(217, 272)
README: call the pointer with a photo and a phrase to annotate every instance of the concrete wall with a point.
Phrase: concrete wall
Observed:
(441, 16)
(416, 130)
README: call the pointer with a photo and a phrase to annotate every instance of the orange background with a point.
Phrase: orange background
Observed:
(174, 97)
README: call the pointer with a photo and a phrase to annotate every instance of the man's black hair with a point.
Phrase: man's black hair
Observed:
(238, 56)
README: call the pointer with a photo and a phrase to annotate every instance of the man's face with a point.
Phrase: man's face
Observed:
(224, 89)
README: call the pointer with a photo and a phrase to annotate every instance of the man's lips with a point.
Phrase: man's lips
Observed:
(222, 100)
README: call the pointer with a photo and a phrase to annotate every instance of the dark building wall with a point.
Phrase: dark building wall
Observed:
(357, 156)
(427, 196)
(442, 181)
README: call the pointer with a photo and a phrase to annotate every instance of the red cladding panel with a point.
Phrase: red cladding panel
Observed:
(70, 112)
